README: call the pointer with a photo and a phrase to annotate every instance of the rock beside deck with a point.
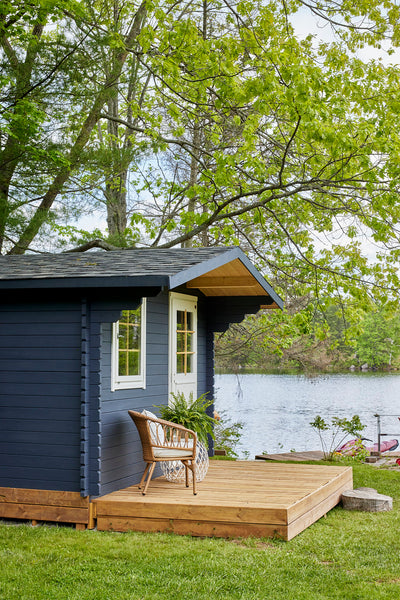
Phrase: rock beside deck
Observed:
(367, 500)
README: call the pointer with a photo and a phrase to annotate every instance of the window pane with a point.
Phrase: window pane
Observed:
(129, 337)
(134, 337)
(122, 364)
(124, 317)
(133, 363)
(180, 319)
(180, 342)
(122, 335)
(134, 316)
(184, 341)
(189, 342)
(180, 363)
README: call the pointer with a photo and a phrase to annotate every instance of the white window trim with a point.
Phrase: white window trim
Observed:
(128, 382)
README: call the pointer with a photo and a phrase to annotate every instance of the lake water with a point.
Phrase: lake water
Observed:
(276, 410)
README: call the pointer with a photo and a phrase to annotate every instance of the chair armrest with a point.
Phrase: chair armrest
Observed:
(158, 433)
(171, 424)
(174, 435)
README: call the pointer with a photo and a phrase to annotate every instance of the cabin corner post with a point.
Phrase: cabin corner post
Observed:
(210, 380)
(93, 457)
(85, 360)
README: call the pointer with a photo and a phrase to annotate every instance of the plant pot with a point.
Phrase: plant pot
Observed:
(175, 470)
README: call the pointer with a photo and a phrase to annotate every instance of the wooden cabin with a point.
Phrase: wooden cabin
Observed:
(86, 336)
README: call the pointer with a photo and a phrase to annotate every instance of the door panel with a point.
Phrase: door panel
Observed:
(183, 345)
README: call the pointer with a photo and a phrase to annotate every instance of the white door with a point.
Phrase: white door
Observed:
(183, 344)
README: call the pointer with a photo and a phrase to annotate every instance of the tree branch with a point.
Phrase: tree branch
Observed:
(98, 243)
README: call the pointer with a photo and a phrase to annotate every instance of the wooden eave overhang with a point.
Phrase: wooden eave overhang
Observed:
(235, 278)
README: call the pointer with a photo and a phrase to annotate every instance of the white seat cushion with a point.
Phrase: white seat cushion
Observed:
(171, 453)
(156, 430)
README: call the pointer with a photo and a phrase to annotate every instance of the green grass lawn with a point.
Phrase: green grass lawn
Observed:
(347, 555)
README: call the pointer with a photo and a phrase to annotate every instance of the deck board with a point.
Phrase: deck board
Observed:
(241, 498)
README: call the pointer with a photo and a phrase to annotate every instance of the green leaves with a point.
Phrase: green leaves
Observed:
(319, 423)
(218, 124)
(378, 344)
(190, 413)
(339, 429)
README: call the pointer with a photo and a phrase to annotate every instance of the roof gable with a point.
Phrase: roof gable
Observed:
(214, 271)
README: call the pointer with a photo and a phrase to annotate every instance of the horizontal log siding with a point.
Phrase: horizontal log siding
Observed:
(40, 362)
(205, 360)
(202, 363)
(121, 461)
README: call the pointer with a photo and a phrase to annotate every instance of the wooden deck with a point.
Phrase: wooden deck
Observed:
(242, 498)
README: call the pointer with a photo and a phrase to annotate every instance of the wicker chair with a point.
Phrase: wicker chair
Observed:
(164, 441)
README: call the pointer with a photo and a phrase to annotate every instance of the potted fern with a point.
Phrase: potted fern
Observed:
(191, 413)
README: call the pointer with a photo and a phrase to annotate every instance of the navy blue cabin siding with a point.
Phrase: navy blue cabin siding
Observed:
(205, 366)
(205, 360)
(40, 376)
(224, 311)
(201, 348)
(121, 451)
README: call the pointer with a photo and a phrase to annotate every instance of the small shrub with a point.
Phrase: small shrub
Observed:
(227, 436)
(340, 429)
(356, 452)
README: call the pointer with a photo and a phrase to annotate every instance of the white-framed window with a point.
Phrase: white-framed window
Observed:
(128, 352)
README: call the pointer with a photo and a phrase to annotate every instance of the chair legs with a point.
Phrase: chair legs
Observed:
(148, 471)
(192, 466)
(186, 474)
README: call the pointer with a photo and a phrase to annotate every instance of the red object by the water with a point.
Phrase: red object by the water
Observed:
(352, 446)
(385, 445)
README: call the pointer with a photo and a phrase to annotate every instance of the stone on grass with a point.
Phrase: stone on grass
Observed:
(366, 499)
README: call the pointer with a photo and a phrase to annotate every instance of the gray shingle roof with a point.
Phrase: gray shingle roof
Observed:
(142, 267)
(126, 263)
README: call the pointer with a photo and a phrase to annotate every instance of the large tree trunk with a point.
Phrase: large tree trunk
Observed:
(14, 147)
(106, 92)
(117, 206)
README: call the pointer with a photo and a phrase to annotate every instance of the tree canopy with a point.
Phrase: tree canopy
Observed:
(309, 341)
(206, 122)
